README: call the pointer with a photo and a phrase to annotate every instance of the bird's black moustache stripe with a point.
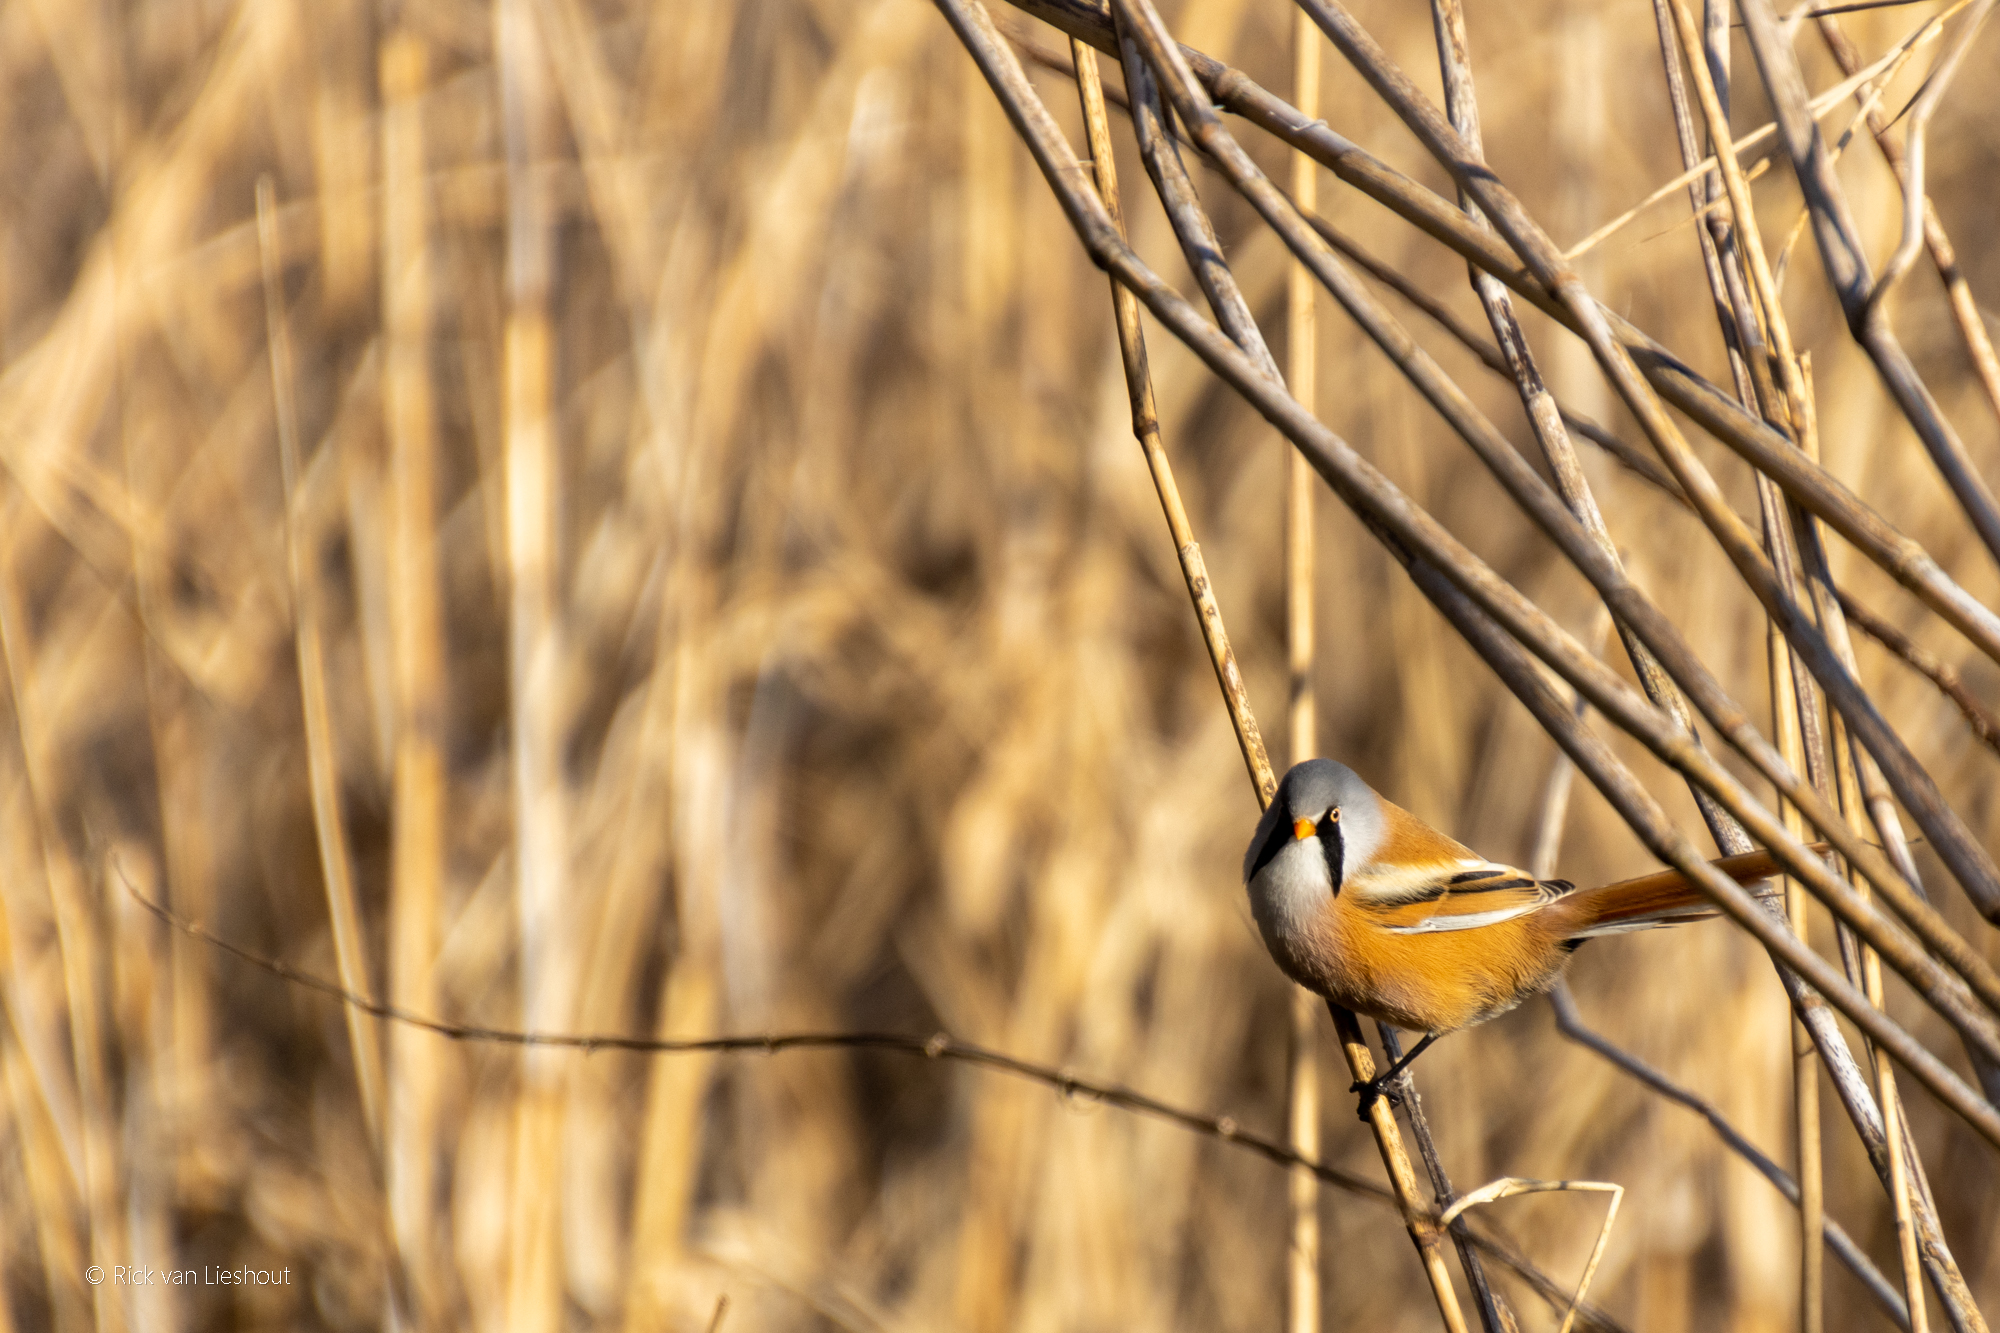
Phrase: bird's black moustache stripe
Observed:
(1335, 849)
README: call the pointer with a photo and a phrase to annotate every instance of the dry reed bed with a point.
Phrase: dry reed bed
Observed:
(714, 589)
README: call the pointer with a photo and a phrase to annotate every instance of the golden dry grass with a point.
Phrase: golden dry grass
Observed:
(764, 622)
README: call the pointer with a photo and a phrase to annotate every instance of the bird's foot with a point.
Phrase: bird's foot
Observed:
(1372, 1091)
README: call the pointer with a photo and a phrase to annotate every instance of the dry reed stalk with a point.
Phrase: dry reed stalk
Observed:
(1199, 241)
(975, 25)
(329, 820)
(997, 73)
(1799, 409)
(1805, 1062)
(414, 633)
(1791, 690)
(1985, 726)
(83, 1224)
(1302, 721)
(1462, 107)
(535, 657)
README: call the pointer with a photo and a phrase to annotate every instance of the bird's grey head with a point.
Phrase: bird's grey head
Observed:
(1326, 804)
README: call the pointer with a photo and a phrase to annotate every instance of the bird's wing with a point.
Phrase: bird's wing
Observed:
(1466, 898)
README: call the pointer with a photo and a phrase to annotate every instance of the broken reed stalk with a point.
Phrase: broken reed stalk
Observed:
(1848, 273)
(1161, 160)
(1964, 309)
(1696, 171)
(1414, 536)
(1301, 372)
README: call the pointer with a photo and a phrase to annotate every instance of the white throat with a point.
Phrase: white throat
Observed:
(1290, 891)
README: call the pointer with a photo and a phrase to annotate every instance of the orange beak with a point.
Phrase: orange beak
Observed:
(1303, 829)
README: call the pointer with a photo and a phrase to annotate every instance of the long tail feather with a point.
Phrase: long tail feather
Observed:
(1664, 898)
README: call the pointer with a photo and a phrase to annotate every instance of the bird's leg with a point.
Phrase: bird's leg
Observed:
(1379, 1085)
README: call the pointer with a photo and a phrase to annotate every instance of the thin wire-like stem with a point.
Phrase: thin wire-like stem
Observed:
(1985, 726)
(1301, 373)
(937, 1046)
(1570, 1023)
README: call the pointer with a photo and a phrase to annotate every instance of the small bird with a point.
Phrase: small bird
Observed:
(1374, 909)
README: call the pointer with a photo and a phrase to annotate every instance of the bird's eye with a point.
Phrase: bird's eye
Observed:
(1332, 816)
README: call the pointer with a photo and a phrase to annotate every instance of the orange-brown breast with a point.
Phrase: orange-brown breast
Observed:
(1434, 982)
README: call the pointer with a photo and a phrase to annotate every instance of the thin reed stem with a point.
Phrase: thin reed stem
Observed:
(1301, 373)
(415, 634)
(330, 822)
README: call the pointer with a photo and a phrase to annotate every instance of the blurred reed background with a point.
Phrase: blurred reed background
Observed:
(717, 591)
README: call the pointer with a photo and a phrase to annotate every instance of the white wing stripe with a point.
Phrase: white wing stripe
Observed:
(1467, 921)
